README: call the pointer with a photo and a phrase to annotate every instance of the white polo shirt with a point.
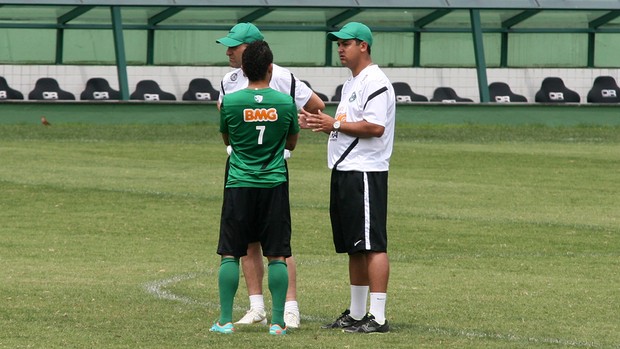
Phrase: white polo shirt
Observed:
(368, 96)
(280, 81)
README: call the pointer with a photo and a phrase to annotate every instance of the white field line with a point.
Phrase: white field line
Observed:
(157, 288)
(516, 338)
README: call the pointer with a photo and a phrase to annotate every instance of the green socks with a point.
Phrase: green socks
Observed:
(278, 284)
(228, 280)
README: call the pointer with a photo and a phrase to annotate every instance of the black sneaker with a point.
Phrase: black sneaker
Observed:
(368, 325)
(343, 321)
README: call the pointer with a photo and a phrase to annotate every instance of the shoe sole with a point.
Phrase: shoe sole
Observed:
(225, 331)
(278, 331)
(344, 330)
(262, 322)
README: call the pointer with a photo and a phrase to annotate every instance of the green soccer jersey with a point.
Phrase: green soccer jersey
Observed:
(257, 123)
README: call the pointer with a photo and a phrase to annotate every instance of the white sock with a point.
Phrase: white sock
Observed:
(359, 301)
(291, 306)
(377, 306)
(257, 302)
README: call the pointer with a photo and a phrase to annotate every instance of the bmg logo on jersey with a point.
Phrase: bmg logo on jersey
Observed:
(260, 114)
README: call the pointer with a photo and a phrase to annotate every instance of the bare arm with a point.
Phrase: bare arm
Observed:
(362, 129)
(291, 142)
(225, 138)
(314, 104)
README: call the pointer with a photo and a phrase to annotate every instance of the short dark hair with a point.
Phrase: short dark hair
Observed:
(256, 60)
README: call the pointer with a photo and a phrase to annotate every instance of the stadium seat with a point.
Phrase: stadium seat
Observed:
(338, 94)
(149, 90)
(99, 89)
(500, 92)
(322, 96)
(200, 89)
(48, 89)
(447, 95)
(604, 90)
(553, 90)
(404, 93)
(6, 92)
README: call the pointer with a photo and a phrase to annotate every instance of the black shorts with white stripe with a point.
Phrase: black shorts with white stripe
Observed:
(358, 211)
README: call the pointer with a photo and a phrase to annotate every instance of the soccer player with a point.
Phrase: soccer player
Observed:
(284, 81)
(359, 149)
(258, 123)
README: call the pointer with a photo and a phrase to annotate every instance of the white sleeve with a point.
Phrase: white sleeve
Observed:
(281, 81)
(302, 93)
(375, 99)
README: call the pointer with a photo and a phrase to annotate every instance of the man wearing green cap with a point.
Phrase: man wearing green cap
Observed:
(284, 81)
(259, 123)
(361, 137)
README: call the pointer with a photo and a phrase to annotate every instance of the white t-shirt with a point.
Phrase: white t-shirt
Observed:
(368, 96)
(280, 81)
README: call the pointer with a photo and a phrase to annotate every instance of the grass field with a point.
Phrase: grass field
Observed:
(500, 237)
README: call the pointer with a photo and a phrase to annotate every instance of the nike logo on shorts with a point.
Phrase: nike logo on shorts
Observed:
(357, 242)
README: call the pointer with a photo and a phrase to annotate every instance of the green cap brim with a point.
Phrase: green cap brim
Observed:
(333, 36)
(228, 42)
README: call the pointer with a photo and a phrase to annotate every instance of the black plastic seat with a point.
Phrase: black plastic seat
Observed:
(99, 89)
(322, 96)
(201, 89)
(604, 90)
(336, 97)
(447, 95)
(48, 89)
(500, 92)
(404, 93)
(553, 90)
(6, 92)
(149, 90)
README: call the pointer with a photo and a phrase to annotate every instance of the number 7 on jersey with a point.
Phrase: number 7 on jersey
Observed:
(261, 132)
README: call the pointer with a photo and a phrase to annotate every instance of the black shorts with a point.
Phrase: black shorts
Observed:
(358, 211)
(256, 214)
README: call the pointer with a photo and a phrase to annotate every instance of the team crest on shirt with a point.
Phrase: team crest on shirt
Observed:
(258, 98)
(233, 77)
(353, 97)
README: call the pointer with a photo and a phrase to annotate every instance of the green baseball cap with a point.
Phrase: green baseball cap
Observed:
(242, 33)
(352, 30)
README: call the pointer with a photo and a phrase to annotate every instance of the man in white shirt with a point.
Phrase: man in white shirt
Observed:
(284, 81)
(361, 137)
